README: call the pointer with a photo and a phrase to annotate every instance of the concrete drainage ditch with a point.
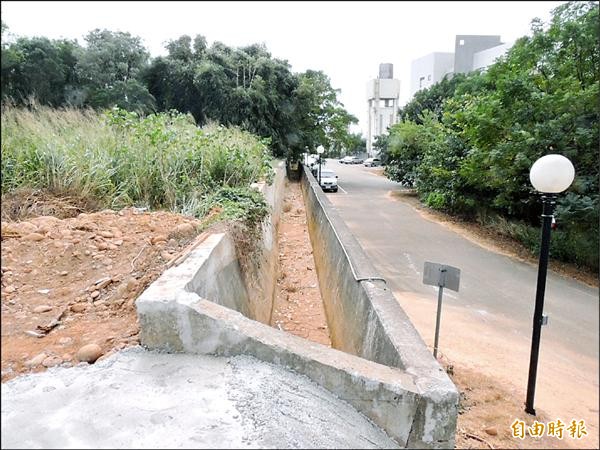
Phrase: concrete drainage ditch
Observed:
(378, 364)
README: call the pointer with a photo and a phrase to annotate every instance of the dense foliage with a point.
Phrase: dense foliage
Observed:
(120, 159)
(244, 87)
(467, 144)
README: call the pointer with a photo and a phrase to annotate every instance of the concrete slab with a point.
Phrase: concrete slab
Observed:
(143, 399)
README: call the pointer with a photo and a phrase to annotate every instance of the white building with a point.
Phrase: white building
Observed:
(485, 58)
(382, 97)
(471, 52)
(429, 70)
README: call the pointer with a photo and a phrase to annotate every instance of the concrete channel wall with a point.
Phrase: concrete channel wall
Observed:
(363, 315)
(199, 307)
(250, 291)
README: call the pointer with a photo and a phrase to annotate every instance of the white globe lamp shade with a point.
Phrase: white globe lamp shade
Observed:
(320, 149)
(552, 174)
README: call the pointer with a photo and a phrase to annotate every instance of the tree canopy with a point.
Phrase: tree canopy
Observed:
(243, 86)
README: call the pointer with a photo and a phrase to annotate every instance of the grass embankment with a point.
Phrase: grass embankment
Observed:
(117, 159)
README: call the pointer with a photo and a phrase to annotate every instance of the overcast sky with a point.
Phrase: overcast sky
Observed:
(347, 40)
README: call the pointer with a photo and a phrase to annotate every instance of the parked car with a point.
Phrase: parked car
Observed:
(328, 180)
(310, 160)
(355, 160)
(346, 160)
(372, 162)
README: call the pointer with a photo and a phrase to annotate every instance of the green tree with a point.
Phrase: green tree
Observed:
(321, 117)
(38, 68)
(356, 144)
(249, 88)
(431, 99)
(111, 68)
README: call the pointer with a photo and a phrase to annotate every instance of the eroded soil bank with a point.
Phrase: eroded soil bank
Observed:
(69, 283)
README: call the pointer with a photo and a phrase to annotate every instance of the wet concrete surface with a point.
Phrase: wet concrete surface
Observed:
(142, 399)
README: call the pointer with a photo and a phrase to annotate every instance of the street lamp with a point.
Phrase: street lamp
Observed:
(320, 151)
(550, 175)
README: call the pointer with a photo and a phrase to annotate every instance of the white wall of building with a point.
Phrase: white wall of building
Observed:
(488, 57)
(430, 69)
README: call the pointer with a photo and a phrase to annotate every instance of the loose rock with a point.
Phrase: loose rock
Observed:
(36, 360)
(492, 431)
(33, 237)
(52, 361)
(42, 309)
(102, 283)
(159, 238)
(132, 284)
(78, 308)
(34, 334)
(182, 230)
(89, 353)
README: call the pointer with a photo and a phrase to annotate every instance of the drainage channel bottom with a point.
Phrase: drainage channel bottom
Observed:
(298, 306)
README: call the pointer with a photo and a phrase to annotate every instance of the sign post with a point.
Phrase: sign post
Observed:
(442, 276)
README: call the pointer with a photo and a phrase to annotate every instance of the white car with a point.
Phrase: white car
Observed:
(310, 161)
(328, 180)
(372, 162)
(346, 160)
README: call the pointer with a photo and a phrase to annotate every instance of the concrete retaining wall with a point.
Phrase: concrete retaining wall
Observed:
(261, 277)
(414, 402)
(413, 410)
(250, 291)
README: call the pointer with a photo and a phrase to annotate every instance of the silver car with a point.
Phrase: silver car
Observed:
(372, 162)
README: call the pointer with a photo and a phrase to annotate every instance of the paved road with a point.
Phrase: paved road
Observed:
(488, 323)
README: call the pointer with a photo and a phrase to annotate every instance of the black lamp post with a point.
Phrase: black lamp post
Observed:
(320, 151)
(550, 175)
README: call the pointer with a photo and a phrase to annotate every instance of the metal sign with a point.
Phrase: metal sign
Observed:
(441, 275)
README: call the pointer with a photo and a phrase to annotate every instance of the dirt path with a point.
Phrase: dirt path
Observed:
(298, 306)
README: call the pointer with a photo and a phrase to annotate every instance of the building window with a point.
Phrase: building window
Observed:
(421, 82)
(461, 42)
(428, 77)
(380, 123)
(391, 119)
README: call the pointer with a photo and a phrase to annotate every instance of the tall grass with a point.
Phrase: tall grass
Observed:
(160, 161)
